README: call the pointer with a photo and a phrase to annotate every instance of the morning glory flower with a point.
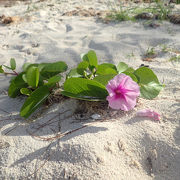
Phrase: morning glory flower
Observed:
(123, 92)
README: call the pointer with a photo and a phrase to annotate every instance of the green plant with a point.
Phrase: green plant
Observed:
(120, 14)
(88, 81)
(150, 52)
(175, 58)
(158, 10)
(163, 10)
(35, 81)
(177, 1)
(165, 48)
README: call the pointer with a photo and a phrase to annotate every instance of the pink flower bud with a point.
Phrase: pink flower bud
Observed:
(148, 113)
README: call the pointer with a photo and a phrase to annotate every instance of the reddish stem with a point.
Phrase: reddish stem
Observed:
(14, 74)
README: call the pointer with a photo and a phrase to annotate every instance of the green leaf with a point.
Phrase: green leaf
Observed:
(12, 78)
(91, 58)
(26, 65)
(84, 57)
(34, 101)
(1, 69)
(13, 63)
(106, 68)
(73, 73)
(121, 67)
(49, 70)
(149, 83)
(133, 77)
(15, 85)
(129, 70)
(24, 78)
(103, 79)
(41, 81)
(84, 89)
(42, 65)
(25, 91)
(82, 66)
(151, 90)
(93, 62)
(7, 67)
(32, 76)
(53, 80)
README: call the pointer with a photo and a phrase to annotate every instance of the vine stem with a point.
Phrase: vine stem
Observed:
(14, 74)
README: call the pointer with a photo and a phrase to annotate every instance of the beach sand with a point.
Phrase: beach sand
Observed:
(119, 147)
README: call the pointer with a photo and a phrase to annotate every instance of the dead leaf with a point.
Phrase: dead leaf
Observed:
(147, 59)
(10, 19)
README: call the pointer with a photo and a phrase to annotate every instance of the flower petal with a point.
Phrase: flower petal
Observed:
(148, 113)
(129, 103)
(120, 78)
(132, 94)
(114, 102)
(111, 86)
(131, 85)
(123, 103)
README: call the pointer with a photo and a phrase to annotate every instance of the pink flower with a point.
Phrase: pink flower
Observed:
(148, 113)
(123, 92)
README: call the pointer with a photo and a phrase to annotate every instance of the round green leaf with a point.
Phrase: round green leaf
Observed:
(129, 70)
(13, 63)
(84, 57)
(151, 90)
(149, 83)
(26, 65)
(93, 62)
(34, 101)
(106, 68)
(73, 73)
(103, 79)
(82, 66)
(133, 77)
(49, 70)
(84, 89)
(121, 67)
(32, 76)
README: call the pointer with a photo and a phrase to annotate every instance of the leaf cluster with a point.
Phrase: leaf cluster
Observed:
(88, 81)
(36, 81)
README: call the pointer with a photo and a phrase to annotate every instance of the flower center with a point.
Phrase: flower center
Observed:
(118, 91)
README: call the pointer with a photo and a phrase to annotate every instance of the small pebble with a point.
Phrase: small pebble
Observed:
(34, 45)
(96, 116)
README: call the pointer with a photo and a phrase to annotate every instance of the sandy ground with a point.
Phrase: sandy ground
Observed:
(121, 148)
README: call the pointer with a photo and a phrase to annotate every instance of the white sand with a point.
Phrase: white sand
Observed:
(126, 148)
